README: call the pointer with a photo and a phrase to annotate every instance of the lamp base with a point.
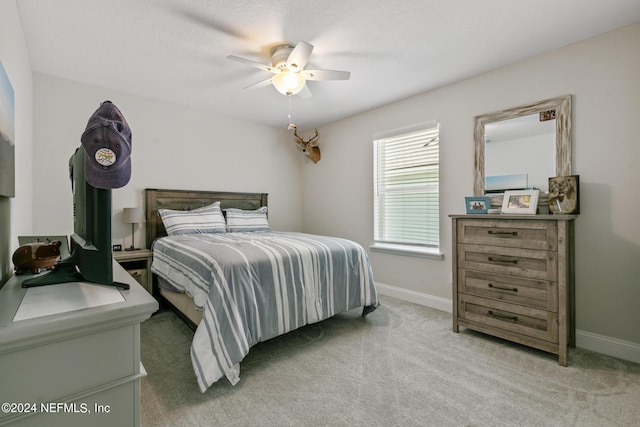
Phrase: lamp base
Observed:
(131, 248)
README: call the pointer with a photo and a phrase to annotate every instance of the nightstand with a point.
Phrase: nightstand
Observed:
(138, 265)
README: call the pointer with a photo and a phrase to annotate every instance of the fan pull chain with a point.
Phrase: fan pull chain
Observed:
(292, 125)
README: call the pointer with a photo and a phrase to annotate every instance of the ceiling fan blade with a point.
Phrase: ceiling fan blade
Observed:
(253, 63)
(211, 23)
(263, 83)
(299, 55)
(325, 75)
(305, 92)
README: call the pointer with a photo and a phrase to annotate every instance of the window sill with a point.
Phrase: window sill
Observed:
(432, 253)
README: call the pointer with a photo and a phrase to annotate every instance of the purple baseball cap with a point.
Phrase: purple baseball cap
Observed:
(107, 144)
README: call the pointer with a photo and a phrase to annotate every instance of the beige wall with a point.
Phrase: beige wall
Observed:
(602, 75)
(15, 213)
(178, 147)
(172, 147)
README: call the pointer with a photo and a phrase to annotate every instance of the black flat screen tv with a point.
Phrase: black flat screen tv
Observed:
(91, 256)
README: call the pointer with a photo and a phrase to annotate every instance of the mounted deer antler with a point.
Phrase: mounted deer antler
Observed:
(310, 146)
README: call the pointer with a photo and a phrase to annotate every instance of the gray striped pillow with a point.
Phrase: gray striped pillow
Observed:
(208, 219)
(244, 220)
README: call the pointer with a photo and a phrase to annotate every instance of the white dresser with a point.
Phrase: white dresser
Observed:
(70, 353)
(513, 277)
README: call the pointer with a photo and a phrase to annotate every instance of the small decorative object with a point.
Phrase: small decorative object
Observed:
(309, 146)
(33, 257)
(133, 216)
(477, 205)
(547, 115)
(564, 194)
(520, 202)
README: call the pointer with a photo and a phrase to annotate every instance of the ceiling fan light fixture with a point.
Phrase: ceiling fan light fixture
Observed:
(288, 68)
(288, 82)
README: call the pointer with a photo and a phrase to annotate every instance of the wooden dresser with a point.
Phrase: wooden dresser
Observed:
(513, 277)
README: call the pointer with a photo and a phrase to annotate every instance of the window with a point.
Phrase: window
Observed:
(406, 190)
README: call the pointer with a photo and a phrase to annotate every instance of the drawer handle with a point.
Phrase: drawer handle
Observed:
(491, 285)
(498, 316)
(503, 233)
(507, 260)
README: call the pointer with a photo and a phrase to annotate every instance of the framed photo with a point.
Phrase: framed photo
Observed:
(564, 194)
(7, 137)
(477, 205)
(520, 202)
(502, 183)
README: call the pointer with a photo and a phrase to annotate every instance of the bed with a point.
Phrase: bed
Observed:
(239, 282)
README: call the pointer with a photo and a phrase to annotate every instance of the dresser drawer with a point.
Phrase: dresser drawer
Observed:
(539, 324)
(540, 294)
(526, 263)
(140, 274)
(512, 233)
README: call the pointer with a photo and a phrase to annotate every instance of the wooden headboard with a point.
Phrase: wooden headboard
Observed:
(186, 200)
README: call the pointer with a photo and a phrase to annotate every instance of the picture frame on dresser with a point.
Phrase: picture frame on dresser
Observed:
(564, 194)
(477, 204)
(520, 202)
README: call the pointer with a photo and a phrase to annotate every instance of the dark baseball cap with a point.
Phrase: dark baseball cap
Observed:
(107, 144)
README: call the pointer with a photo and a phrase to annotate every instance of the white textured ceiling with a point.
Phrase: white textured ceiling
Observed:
(175, 50)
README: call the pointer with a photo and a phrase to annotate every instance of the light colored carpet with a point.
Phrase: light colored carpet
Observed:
(400, 366)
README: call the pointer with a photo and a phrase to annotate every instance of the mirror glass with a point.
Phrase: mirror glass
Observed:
(522, 147)
(522, 151)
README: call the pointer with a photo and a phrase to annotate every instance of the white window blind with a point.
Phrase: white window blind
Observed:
(406, 188)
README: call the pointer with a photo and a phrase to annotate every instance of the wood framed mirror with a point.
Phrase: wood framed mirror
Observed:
(541, 163)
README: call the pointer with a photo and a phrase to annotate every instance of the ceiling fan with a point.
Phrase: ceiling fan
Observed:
(287, 65)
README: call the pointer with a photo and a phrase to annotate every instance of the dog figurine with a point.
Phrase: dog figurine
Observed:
(33, 257)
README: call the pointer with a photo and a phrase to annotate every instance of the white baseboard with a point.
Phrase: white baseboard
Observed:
(614, 347)
(427, 300)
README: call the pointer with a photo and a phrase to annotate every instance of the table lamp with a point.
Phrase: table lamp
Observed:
(133, 216)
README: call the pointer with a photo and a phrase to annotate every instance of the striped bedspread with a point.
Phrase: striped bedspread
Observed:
(254, 286)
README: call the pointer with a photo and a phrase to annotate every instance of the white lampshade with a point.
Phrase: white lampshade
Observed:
(133, 215)
(288, 82)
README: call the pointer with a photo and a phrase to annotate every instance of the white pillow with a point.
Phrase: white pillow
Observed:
(244, 220)
(207, 219)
